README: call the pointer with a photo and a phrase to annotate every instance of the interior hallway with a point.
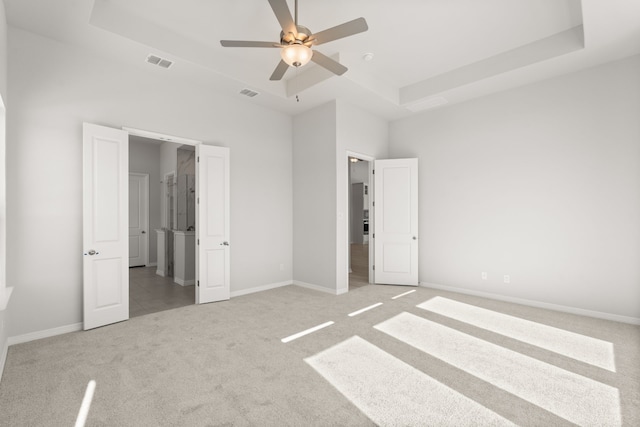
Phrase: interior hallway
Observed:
(359, 275)
(150, 293)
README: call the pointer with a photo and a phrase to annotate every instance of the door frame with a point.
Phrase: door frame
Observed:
(347, 237)
(145, 196)
(177, 140)
(123, 176)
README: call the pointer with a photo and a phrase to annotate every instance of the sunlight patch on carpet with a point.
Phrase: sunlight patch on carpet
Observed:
(86, 404)
(306, 332)
(403, 294)
(371, 307)
(576, 346)
(571, 396)
(391, 392)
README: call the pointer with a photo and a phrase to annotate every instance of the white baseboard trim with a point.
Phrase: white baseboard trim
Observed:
(160, 273)
(259, 289)
(152, 264)
(315, 287)
(181, 282)
(537, 304)
(45, 334)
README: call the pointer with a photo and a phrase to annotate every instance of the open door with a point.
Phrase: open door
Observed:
(105, 225)
(212, 224)
(396, 222)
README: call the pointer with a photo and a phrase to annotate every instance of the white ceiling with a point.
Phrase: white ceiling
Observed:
(426, 52)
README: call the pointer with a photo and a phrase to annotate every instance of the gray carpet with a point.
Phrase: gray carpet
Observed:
(224, 364)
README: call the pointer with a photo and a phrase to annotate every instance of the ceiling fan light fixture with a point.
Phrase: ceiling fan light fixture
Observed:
(296, 41)
(296, 55)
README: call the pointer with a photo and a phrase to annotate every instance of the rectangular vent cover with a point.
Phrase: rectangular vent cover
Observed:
(248, 92)
(160, 62)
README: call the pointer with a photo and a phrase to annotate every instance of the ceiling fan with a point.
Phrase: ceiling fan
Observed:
(296, 41)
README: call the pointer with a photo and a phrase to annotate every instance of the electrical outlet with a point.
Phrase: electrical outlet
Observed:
(484, 275)
(507, 279)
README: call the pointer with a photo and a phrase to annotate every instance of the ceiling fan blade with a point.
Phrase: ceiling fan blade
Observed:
(340, 31)
(278, 73)
(283, 14)
(243, 43)
(324, 61)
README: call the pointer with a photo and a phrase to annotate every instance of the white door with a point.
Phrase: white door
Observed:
(212, 224)
(138, 219)
(105, 231)
(396, 222)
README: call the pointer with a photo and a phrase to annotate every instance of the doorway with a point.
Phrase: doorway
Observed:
(359, 208)
(105, 222)
(166, 279)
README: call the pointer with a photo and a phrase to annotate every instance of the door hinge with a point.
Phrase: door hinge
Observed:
(373, 171)
(374, 235)
(198, 159)
(198, 241)
(198, 283)
(374, 268)
(198, 200)
(373, 203)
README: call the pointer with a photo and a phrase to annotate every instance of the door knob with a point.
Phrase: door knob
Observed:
(92, 252)
(143, 232)
(224, 244)
(415, 238)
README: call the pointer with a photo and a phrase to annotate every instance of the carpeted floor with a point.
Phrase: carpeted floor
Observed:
(225, 364)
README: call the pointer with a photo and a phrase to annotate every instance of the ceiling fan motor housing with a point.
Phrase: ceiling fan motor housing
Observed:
(301, 38)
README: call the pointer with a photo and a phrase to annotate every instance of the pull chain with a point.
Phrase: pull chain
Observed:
(295, 11)
(296, 83)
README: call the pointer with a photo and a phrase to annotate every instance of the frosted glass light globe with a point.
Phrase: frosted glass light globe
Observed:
(296, 55)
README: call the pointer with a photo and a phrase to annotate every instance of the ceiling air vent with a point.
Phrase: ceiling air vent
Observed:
(160, 62)
(248, 92)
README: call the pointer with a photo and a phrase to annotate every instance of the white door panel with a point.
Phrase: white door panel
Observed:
(396, 222)
(138, 219)
(105, 234)
(212, 227)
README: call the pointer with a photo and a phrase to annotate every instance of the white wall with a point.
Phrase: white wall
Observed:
(357, 132)
(144, 157)
(3, 51)
(359, 172)
(45, 162)
(541, 183)
(323, 137)
(314, 201)
(3, 175)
